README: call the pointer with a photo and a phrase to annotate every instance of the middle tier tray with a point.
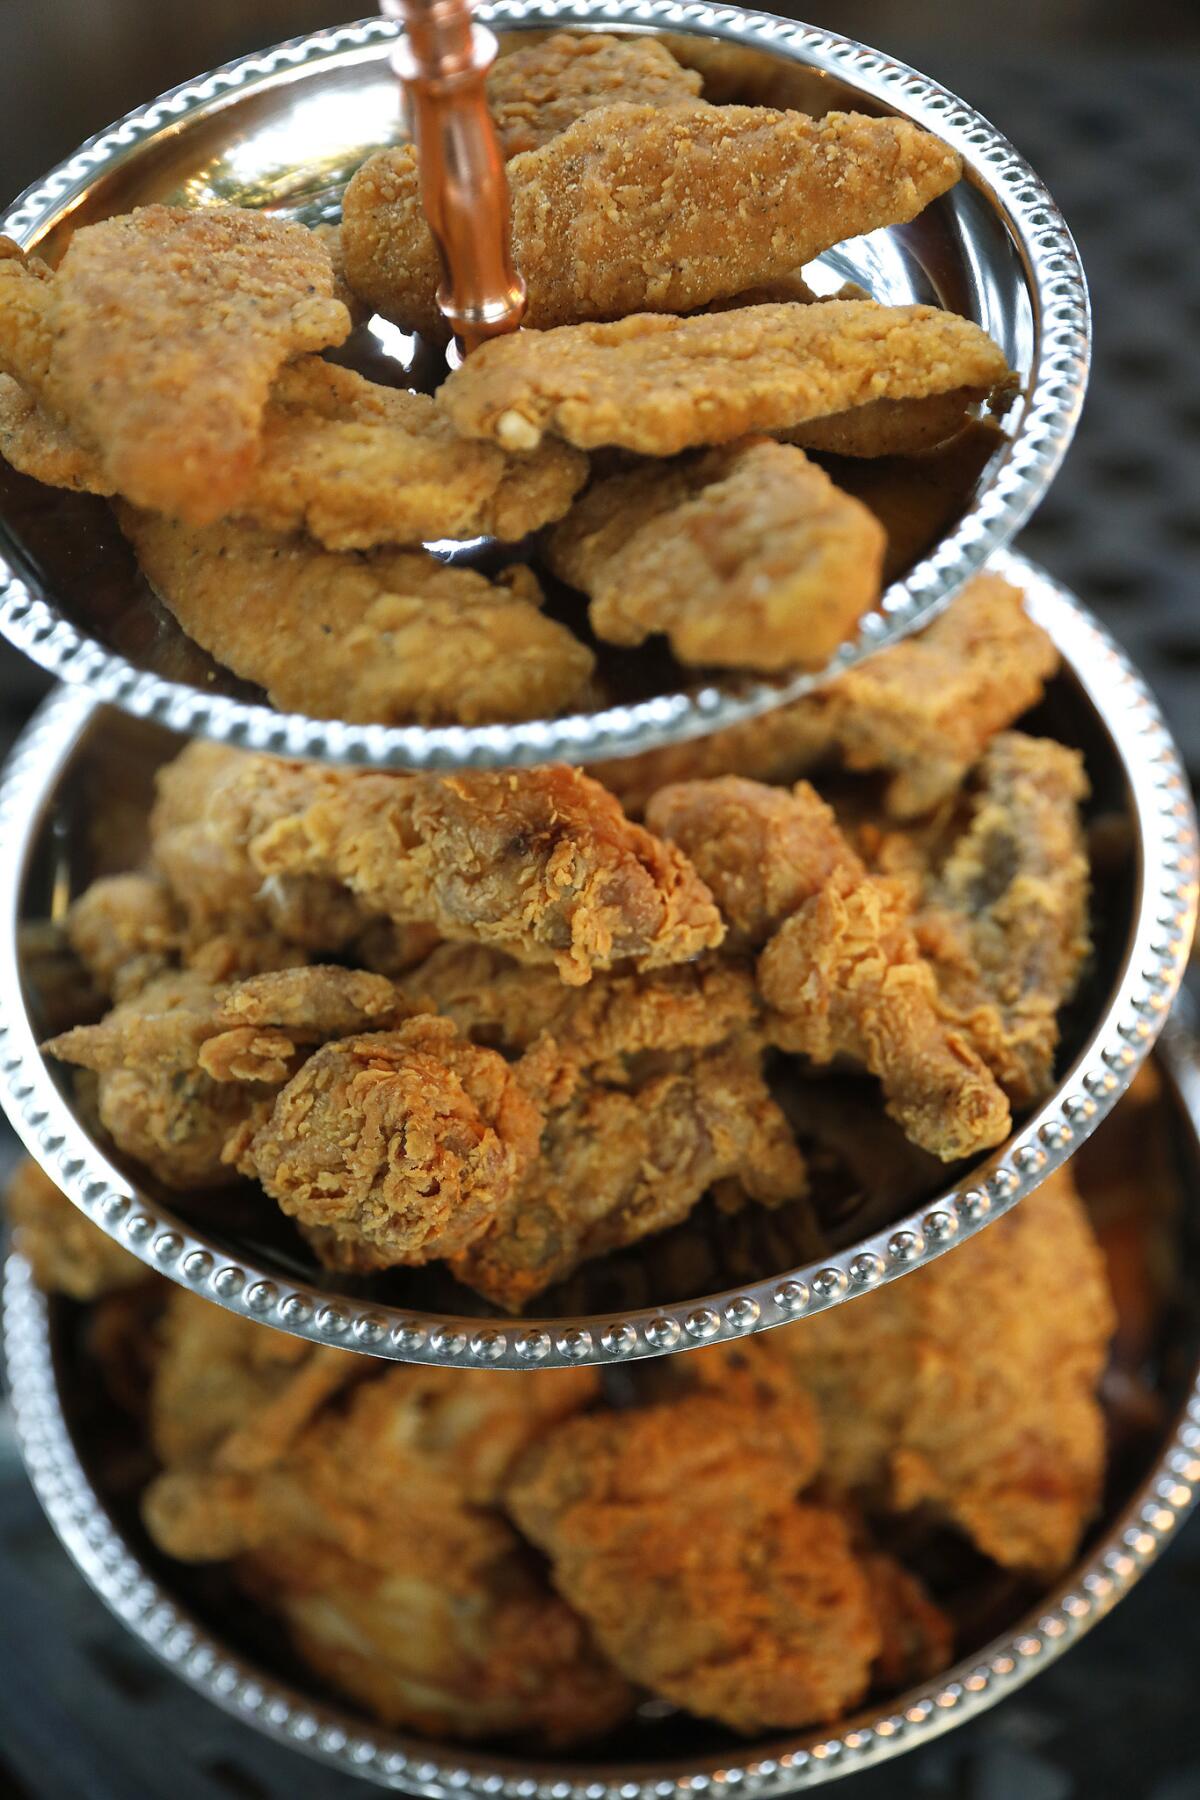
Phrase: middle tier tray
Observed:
(710, 1278)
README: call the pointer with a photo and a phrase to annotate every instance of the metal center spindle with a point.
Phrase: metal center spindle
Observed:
(443, 61)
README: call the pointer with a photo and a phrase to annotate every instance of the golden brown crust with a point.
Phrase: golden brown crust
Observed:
(746, 557)
(540, 89)
(657, 384)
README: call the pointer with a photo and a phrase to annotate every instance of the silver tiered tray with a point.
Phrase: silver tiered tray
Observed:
(634, 1305)
(286, 128)
(1156, 1490)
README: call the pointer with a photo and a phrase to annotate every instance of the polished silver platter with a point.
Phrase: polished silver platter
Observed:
(1159, 1493)
(47, 801)
(284, 129)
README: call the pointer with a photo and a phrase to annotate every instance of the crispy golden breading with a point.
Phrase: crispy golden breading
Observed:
(26, 315)
(715, 1589)
(747, 557)
(386, 637)
(1003, 917)
(921, 711)
(67, 1253)
(619, 1162)
(37, 445)
(657, 384)
(365, 1526)
(841, 972)
(125, 929)
(170, 325)
(999, 1431)
(540, 862)
(331, 237)
(407, 1144)
(640, 209)
(540, 89)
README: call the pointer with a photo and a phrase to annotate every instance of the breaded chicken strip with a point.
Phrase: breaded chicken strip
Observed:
(841, 971)
(405, 1144)
(921, 711)
(539, 862)
(169, 326)
(67, 1253)
(1003, 916)
(748, 557)
(619, 1162)
(657, 384)
(125, 930)
(640, 209)
(1005, 1439)
(673, 1532)
(368, 1528)
(542, 88)
(385, 637)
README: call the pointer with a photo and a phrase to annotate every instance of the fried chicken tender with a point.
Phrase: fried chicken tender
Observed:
(640, 209)
(125, 930)
(36, 444)
(540, 862)
(406, 1144)
(841, 971)
(1004, 917)
(382, 638)
(169, 326)
(367, 1527)
(657, 384)
(921, 712)
(1001, 1436)
(672, 1531)
(542, 88)
(619, 1162)
(746, 557)
(67, 1253)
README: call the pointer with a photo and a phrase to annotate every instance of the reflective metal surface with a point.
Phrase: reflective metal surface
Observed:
(659, 1296)
(1157, 1493)
(285, 130)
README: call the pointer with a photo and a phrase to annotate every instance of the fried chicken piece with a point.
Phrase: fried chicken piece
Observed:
(539, 862)
(508, 1005)
(841, 970)
(382, 638)
(917, 1639)
(747, 557)
(331, 237)
(369, 1532)
(26, 315)
(184, 1066)
(35, 444)
(406, 1143)
(997, 1431)
(542, 88)
(672, 1531)
(641, 209)
(620, 1162)
(125, 930)
(921, 711)
(890, 427)
(1003, 918)
(657, 384)
(169, 326)
(67, 1253)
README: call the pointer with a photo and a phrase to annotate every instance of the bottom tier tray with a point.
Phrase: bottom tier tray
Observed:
(200, 1632)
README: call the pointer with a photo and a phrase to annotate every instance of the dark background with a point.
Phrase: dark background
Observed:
(1103, 96)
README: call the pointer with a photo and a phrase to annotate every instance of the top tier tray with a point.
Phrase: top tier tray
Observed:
(285, 129)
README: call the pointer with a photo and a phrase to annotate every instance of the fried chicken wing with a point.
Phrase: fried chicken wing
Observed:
(169, 326)
(921, 711)
(657, 384)
(747, 557)
(645, 209)
(540, 89)
(999, 1432)
(541, 862)
(673, 1532)
(619, 1162)
(841, 972)
(407, 1144)
(67, 1253)
(382, 638)
(367, 1527)
(125, 929)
